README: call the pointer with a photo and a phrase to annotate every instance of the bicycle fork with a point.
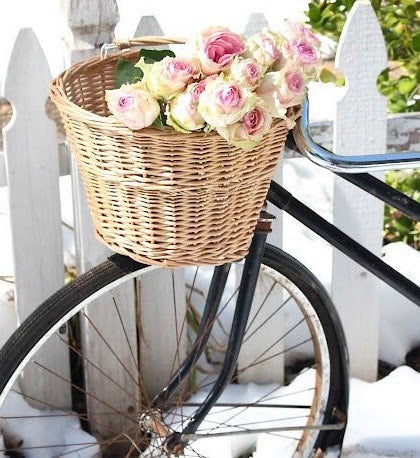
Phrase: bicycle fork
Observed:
(175, 442)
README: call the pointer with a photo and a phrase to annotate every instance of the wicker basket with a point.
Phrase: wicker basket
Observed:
(162, 197)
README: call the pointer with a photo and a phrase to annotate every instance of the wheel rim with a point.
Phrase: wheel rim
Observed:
(320, 385)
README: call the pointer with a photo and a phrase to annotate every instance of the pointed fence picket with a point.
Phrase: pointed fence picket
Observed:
(30, 168)
(31, 160)
(254, 345)
(161, 294)
(359, 128)
(90, 24)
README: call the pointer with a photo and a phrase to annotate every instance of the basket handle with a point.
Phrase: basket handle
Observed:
(147, 41)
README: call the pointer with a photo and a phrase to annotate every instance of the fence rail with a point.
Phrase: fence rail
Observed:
(33, 159)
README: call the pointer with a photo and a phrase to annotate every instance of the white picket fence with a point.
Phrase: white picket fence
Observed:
(30, 167)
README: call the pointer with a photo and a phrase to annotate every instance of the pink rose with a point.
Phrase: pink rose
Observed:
(296, 30)
(265, 47)
(246, 71)
(302, 46)
(254, 121)
(250, 130)
(198, 88)
(303, 51)
(282, 89)
(182, 112)
(133, 106)
(125, 103)
(229, 98)
(168, 77)
(216, 47)
(270, 48)
(294, 81)
(224, 102)
(180, 70)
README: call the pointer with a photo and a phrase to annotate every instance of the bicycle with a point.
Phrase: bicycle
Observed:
(305, 411)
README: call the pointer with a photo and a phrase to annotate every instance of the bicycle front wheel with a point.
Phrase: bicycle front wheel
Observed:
(288, 395)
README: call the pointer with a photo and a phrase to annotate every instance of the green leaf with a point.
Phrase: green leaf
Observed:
(349, 4)
(193, 320)
(406, 3)
(400, 226)
(327, 76)
(406, 85)
(158, 123)
(415, 42)
(155, 55)
(126, 73)
(327, 15)
(376, 4)
(314, 13)
(411, 10)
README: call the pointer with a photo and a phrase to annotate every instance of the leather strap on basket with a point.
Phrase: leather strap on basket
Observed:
(147, 41)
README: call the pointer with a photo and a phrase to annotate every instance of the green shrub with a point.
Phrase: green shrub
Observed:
(400, 23)
(397, 226)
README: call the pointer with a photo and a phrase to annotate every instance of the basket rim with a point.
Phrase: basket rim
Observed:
(58, 94)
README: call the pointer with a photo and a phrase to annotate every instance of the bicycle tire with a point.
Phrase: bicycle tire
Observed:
(47, 319)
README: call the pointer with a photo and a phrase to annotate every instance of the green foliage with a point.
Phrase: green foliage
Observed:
(155, 55)
(327, 76)
(400, 23)
(397, 226)
(127, 73)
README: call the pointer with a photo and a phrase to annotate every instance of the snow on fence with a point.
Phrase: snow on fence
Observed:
(29, 166)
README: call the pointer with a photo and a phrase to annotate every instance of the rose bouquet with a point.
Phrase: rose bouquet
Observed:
(220, 81)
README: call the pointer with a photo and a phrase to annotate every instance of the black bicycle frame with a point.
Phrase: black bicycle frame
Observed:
(282, 199)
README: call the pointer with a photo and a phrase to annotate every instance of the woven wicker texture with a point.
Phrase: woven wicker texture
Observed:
(158, 196)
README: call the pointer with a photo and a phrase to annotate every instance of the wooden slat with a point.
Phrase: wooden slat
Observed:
(158, 340)
(92, 22)
(162, 337)
(264, 329)
(256, 22)
(31, 160)
(360, 128)
(272, 370)
(148, 26)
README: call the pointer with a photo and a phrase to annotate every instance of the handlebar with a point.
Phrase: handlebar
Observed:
(348, 164)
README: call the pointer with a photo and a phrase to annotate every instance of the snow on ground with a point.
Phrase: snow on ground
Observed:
(384, 417)
(257, 446)
(383, 421)
(62, 430)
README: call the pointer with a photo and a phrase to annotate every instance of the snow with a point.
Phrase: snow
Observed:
(382, 422)
(383, 419)
(384, 416)
(63, 430)
(263, 445)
